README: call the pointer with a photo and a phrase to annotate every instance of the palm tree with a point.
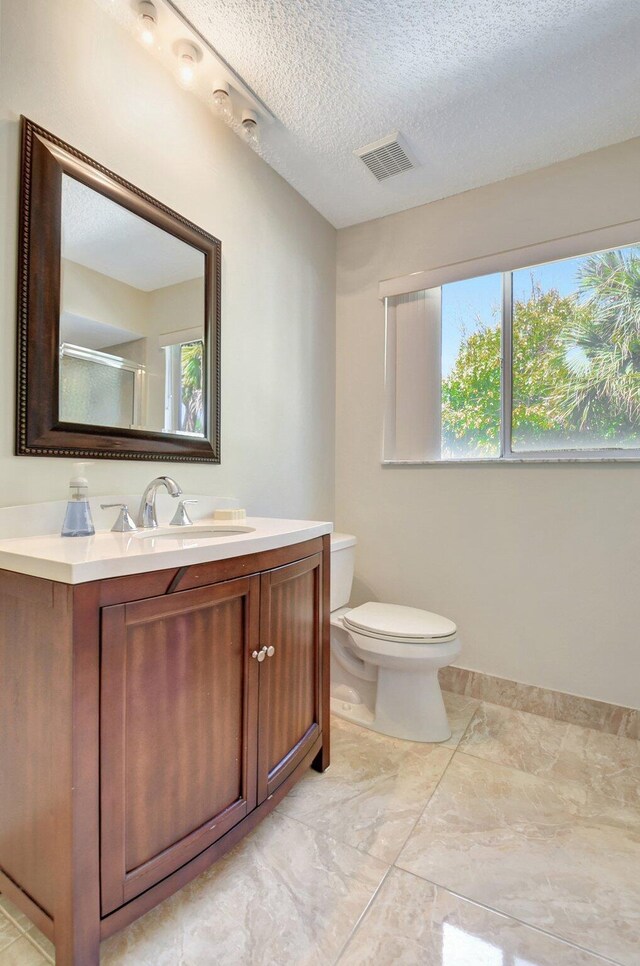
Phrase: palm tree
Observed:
(602, 346)
(191, 365)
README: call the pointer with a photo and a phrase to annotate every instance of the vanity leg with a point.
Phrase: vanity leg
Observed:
(323, 759)
(78, 947)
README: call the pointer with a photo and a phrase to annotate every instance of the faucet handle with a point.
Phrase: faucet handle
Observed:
(124, 523)
(181, 517)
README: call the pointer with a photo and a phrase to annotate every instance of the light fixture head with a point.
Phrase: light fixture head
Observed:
(221, 97)
(188, 57)
(147, 22)
(250, 127)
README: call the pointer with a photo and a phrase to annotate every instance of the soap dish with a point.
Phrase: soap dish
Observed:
(233, 514)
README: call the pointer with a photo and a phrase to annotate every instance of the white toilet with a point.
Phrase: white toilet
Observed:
(385, 659)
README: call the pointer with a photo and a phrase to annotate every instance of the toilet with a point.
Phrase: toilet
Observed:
(385, 659)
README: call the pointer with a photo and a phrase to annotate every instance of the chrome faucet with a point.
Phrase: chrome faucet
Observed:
(147, 517)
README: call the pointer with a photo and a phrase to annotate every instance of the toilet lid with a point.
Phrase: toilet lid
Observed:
(392, 621)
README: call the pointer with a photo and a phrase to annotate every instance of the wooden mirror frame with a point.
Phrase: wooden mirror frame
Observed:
(39, 431)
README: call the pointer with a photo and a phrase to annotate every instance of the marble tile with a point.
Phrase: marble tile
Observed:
(607, 764)
(374, 791)
(12, 912)
(43, 944)
(585, 712)
(460, 710)
(412, 922)
(455, 679)
(8, 932)
(537, 849)
(629, 726)
(286, 894)
(22, 953)
(156, 939)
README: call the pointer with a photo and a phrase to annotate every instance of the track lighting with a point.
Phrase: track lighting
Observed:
(147, 22)
(188, 57)
(197, 66)
(222, 101)
(250, 127)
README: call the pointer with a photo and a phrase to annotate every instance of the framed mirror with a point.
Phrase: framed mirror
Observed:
(118, 316)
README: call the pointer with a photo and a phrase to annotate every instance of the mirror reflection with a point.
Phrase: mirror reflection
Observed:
(132, 313)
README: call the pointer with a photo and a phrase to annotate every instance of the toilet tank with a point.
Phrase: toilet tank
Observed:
(343, 555)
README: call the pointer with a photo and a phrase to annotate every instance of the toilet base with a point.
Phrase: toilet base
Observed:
(410, 705)
(407, 706)
(356, 712)
(396, 692)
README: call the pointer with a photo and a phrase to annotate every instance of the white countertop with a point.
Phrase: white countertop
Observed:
(76, 560)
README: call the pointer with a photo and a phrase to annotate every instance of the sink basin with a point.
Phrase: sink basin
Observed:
(195, 532)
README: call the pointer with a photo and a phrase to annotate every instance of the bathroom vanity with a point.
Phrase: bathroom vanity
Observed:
(159, 697)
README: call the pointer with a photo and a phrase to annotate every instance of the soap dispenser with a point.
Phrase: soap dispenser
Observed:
(77, 520)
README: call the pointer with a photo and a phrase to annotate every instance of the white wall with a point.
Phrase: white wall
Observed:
(70, 68)
(539, 565)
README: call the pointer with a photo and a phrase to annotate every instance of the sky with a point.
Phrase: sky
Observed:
(474, 302)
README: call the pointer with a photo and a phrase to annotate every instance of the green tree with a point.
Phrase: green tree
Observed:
(471, 393)
(602, 345)
(471, 396)
(192, 398)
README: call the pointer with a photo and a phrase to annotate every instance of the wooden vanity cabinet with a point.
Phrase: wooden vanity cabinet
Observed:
(176, 710)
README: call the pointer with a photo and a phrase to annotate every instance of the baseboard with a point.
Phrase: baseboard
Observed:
(599, 715)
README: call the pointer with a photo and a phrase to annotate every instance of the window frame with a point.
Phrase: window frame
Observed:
(392, 288)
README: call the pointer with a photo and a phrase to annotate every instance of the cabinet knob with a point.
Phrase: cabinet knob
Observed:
(270, 650)
(260, 655)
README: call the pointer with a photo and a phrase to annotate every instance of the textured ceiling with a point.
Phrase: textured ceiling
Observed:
(100, 234)
(481, 89)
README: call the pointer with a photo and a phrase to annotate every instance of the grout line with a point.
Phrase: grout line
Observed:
(34, 942)
(362, 850)
(468, 725)
(18, 939)
(14, 922)
(508, 915)
(9, 922)
(368, 855)
(426, 805)
(362, 916)
(23, 933)
(12, 943)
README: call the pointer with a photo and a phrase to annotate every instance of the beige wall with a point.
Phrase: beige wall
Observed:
(539, 565)
(69, 67)
(101, 298)
(179, 306)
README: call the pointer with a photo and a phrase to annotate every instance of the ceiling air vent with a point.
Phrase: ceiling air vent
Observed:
(386, 157)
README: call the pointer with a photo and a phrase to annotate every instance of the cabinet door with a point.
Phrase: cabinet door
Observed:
(179, 693)
(290, 679)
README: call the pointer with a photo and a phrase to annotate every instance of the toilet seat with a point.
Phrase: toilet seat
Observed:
(396, 623)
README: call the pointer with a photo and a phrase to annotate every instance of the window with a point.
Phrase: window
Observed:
(184, 402)
(538, 363)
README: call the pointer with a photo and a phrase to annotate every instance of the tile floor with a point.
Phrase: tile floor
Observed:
(516, 843)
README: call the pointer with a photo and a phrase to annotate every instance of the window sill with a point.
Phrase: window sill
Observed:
(515, 460)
